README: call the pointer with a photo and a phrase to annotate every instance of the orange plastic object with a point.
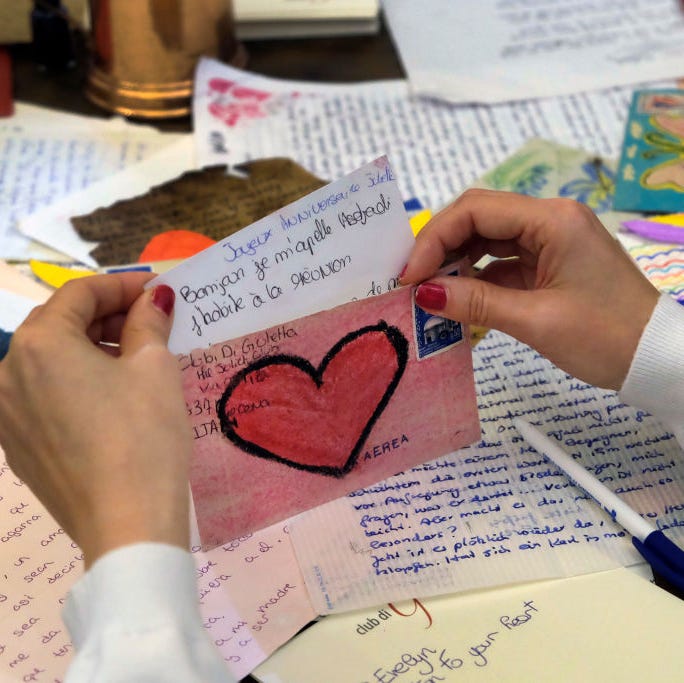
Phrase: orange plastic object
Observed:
(174, 244)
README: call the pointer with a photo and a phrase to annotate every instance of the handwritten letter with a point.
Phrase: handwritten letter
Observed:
(251, 593)
(312, 254)
(607, 626)
(39, 167)
(497, 512)
(436, 150)
(501, 45)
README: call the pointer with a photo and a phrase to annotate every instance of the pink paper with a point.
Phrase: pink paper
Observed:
(291, 417)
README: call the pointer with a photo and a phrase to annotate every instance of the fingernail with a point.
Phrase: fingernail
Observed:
(403, 270)
(163, 297)
(431, 295)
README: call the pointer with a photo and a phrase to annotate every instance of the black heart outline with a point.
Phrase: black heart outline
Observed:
(396, 339)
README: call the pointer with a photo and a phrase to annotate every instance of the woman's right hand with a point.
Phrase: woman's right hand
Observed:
(571, 291)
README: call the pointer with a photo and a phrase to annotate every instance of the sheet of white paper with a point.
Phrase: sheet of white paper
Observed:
(13, 309)
(436, 149)
(18, 296)
(33, 115)
(497, 512)
(42, 161)
(318, 252)
(493, 51)
(52, 225)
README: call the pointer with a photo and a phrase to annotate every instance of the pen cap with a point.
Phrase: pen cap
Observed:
(143, 53)
(666, 560)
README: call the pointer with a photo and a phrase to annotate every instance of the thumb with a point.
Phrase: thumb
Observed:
(149, 320)
(478, 302)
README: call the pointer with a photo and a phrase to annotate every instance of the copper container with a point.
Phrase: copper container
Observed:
(144, 52)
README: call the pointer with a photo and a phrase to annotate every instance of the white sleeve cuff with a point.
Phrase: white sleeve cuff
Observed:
(136, 609)
(655, 381)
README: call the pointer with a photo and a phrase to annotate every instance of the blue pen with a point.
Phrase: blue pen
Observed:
(666, 559)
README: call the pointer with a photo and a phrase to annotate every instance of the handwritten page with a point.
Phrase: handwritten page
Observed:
(601, 627)
(252, 596)
(42, 161)
(494, 51)
(52, 225)
(299, 414)
(208, 201)
(39, 564)
(251, 593)
(334, 245)
(497, 512)
(436, 149)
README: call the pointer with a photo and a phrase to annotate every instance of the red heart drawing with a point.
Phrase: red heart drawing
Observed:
(283, 408)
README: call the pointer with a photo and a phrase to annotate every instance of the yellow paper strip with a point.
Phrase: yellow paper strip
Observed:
(418, 221)
(670, 219)
(55, 275)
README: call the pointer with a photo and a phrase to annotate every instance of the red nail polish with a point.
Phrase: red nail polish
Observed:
(163, 297)
(432, 296)
(403, 270)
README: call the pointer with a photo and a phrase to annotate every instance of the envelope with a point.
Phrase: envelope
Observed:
(290, 417)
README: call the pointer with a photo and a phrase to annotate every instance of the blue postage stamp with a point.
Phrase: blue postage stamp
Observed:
(434, 334)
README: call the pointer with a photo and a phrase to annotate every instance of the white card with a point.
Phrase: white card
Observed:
(312, 254)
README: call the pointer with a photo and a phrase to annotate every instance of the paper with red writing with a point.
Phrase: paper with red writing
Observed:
(515, 633)
(299, 414)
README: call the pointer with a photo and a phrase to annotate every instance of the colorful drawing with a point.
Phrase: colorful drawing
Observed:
(595, 188)
(546, 169)
(666, 176)
(229, 101)
(654, 102)
(521, 173)
(269, 405)
(663, 265)
(651, 173)
(293, 416)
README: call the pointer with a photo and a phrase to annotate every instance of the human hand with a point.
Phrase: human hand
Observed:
(100, 433)
(572, 293)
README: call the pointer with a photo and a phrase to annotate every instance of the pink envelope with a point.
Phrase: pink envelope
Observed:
(305, 412)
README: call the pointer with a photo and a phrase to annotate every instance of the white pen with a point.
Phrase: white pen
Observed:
(614, 506)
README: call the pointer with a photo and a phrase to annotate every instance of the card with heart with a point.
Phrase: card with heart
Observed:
(293, 416)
